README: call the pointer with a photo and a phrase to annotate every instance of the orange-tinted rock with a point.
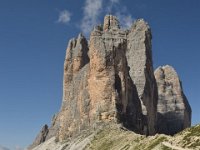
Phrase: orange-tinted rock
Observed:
(110, 79)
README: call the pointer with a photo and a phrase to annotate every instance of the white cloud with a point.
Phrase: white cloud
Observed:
(125, 19)
(64, 16)
(121, 12)
(110, 5)
(92, 10)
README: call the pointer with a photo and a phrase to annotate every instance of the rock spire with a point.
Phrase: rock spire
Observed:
(174, 112)
(110, 80)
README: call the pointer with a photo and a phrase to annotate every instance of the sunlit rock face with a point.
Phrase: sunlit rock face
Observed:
(104, 81)
(110, 80)
(174, 112)
(99, 89)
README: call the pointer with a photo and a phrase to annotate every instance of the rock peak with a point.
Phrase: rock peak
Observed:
(110, 22)
(166, 69)
(173, 109)
(111, 80)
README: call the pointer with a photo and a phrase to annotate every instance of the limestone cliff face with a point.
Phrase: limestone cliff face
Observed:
(112, 92)
(139, 56)
(174, 112)
(74, 111)
(97, 85)
(110, 80)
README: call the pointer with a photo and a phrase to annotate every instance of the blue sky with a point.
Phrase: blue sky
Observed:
(33, 40)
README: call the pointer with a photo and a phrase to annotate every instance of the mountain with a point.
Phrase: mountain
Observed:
(110, 81)
(114, 138)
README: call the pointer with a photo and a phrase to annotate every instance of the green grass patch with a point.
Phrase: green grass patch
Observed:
(163, 147)
(106, 145)
(156, 142)
(195, 144)
(193, 131)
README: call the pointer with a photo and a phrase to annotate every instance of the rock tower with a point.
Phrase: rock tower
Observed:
(110, 79)
(174, 112)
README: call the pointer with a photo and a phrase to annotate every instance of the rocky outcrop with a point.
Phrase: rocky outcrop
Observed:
(110, 80)
(100, 85)
(139, 56)
(174, 112)
(74, 113)
(112, 92)
(41, 137)
(98, 89)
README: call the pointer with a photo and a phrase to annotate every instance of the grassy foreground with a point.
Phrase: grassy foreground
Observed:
(114, 138)
(118, 139)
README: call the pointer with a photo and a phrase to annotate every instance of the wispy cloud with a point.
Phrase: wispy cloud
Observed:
(64, 17)
(110, 5)
(125, 18)
(91, 11)
(121, 12)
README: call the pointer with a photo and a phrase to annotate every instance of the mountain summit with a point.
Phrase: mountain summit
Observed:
(110, 81)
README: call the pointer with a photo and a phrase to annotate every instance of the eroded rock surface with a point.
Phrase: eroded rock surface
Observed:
(139, 56)
(174, 112)
(98, 89)
(112, 92)
(110, 80)
(74, 114)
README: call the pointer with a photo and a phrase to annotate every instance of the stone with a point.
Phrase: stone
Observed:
(109, 80)
(139, 56)
(97, 87)
(112, 92)
(174, 111)
(73, 116)
(41, 137)
(53, 129)
(110, 22)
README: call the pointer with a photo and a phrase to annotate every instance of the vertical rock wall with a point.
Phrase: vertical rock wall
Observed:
(174, 112)
(111, 80)
(74, 113)
(112, 92)
(139, 56)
